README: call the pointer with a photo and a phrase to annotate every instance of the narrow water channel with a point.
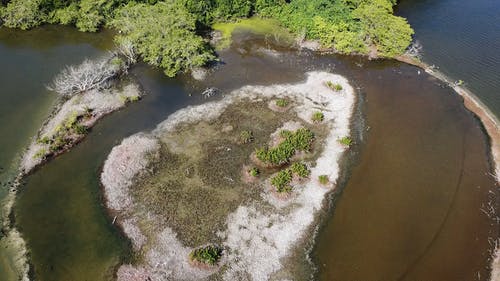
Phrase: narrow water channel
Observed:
(29, 60)
(412, 202)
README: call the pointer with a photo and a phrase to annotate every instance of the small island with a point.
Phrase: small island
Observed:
(228, 188)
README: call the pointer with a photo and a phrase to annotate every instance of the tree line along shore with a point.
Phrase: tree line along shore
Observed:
(172, 34)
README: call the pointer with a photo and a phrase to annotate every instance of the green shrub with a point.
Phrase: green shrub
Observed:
(254, 172)
(58, 143)
(334, 86)
(300, 169)
(80, 129)
(40, 154)
(44, 140)
(134, 98)
(282, 181)
(209, 255)
(71, 121)
(246, 136)
(299, 140)
(318, 116)
(347, 141)
(282, 102)
(323, 179)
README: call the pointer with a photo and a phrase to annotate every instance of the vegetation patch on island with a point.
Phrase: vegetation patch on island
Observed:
(86, 92)
(213, 181)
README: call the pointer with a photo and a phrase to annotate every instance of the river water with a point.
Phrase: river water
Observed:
(412, 202)
(461, 38)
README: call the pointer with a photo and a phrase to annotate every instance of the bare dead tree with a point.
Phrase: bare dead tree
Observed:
(86, 76)
(126, 49)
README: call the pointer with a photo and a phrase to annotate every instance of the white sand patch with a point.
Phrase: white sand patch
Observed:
(99, 102)
(132, 231)
(125, 162)
(257, 241)
(14, 244)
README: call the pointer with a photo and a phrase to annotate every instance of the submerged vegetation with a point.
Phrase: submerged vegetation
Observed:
(168, 34)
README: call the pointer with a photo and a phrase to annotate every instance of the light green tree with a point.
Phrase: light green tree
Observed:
(163, 35)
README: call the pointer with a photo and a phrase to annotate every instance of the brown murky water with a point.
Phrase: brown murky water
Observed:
(413, 206)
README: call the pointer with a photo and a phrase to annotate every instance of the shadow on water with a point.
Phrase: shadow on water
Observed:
(410, 210)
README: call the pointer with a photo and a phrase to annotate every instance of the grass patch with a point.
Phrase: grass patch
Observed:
(40, 154)
(253, 25)
(334, 86)
(318, 116)
(254, 172)
(246, 136)
(300, 169)
(209, 255)
(282, 181)
(299, 140)
(282, 102)
(323, 179)
(347, 141)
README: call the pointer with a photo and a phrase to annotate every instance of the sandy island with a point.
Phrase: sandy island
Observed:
(180, 186)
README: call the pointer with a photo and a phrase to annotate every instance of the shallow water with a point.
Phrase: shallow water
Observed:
(402, 208)
(462, 38)
(29, 60)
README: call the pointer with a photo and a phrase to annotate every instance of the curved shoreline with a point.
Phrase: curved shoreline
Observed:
(491, 125)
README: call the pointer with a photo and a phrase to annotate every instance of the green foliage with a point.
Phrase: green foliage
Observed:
(323, 179)
(299, 140)
(334, 86)
(282, 181)
(40, 154)
(390, 34)
(71, 121)
(347, 141)
(255, 25)
(23, 14)
(300, 169)
(282, 102)
(318, 116)
(254, 172)
(163, 34)
(80, 129)
(246, 136)
(209, 255)
(230, 9)
(44, 140)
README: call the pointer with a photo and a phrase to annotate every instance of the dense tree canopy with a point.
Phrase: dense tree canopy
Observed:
(164, 32)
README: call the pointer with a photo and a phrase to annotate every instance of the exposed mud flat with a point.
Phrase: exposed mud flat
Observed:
(182, 186)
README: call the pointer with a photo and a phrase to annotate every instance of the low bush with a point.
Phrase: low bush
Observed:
(347, 141)
(282, 181)
(318, 116)
(282, 102)
(300, 169)
(334, 86)
(40, 154)
(209, 255)
(254, 172)
(299, 140)
(323, 179)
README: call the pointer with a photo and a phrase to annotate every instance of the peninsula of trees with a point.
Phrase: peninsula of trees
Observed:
(170, 34)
